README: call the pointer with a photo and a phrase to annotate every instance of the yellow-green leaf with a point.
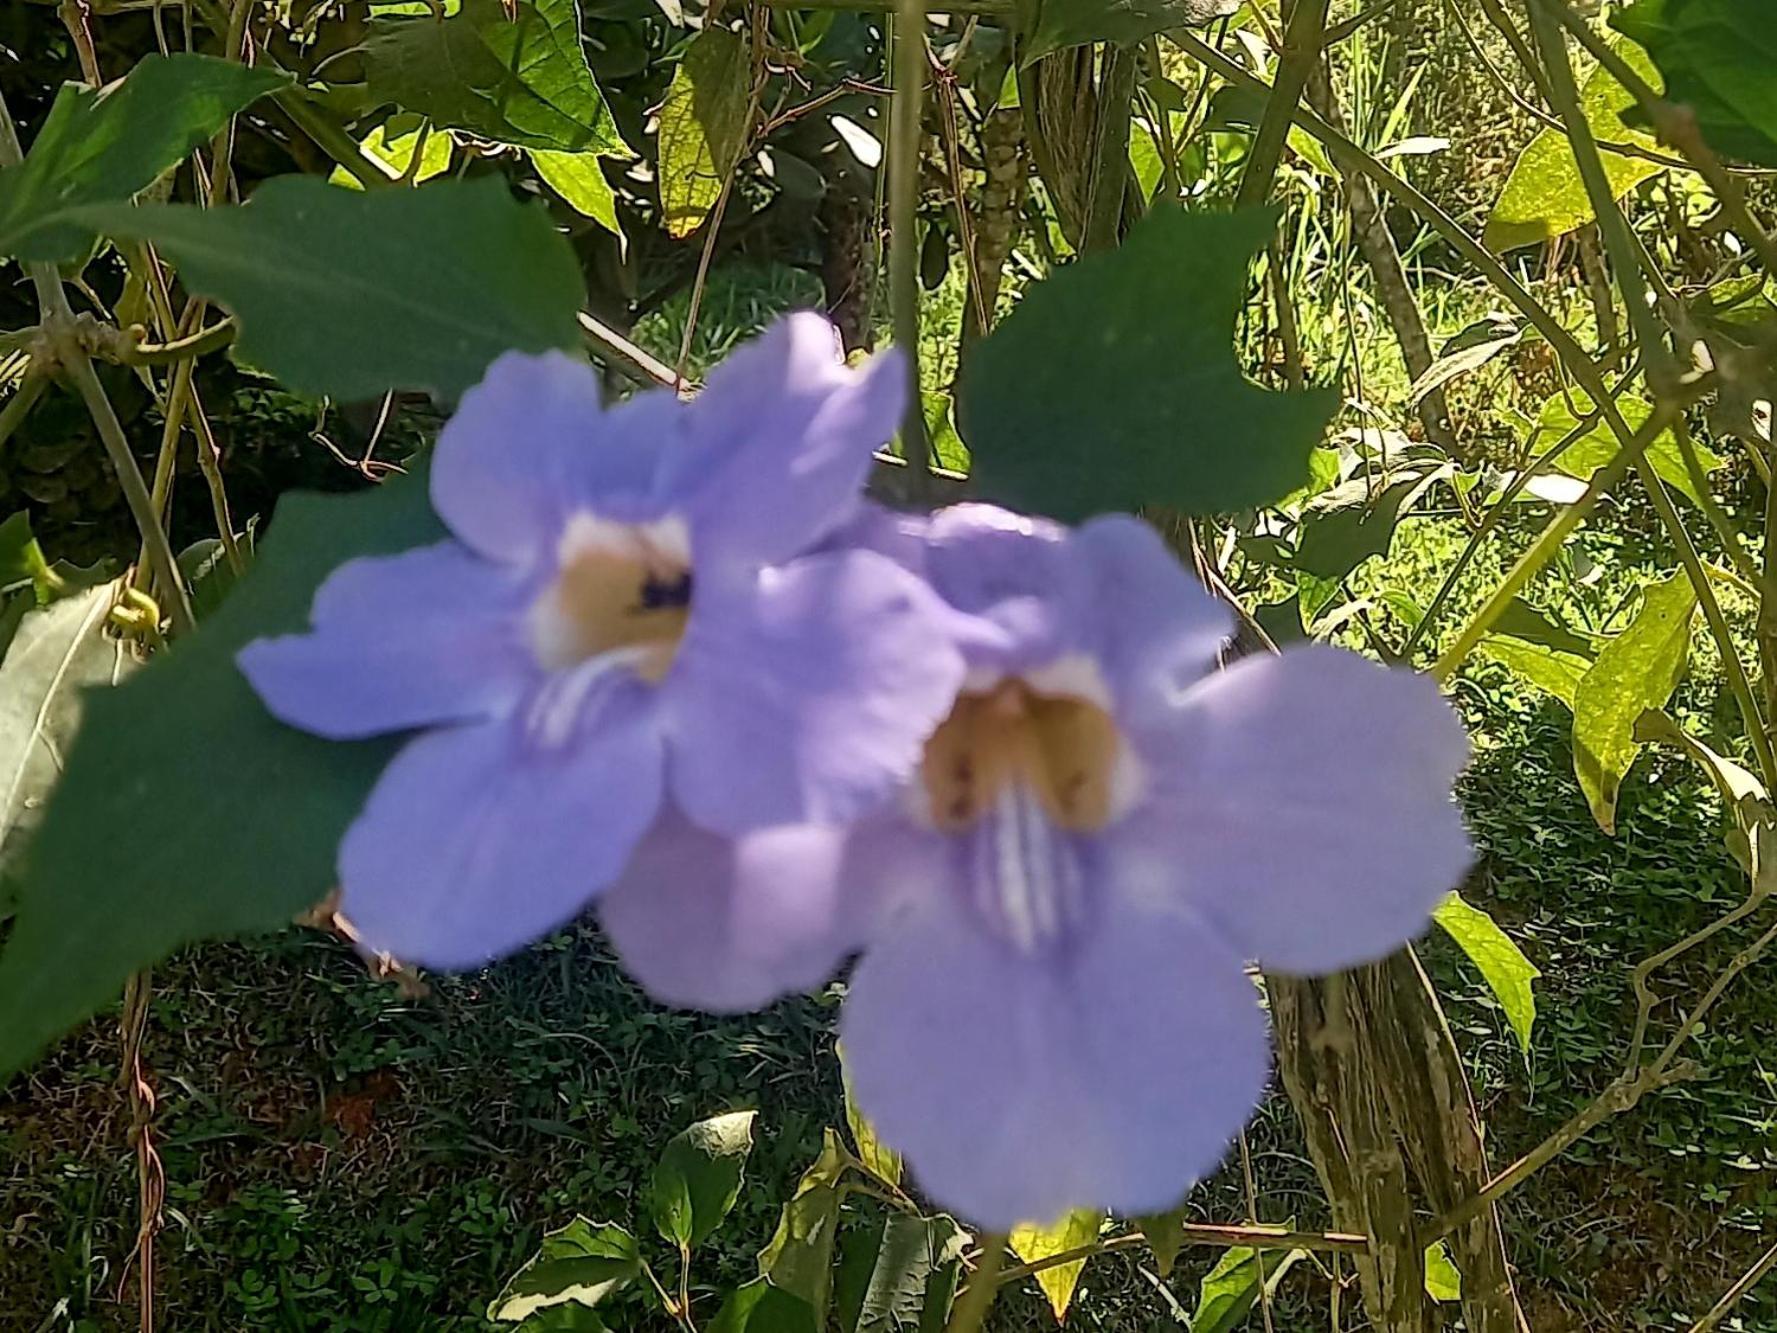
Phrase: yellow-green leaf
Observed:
(1503, 966)
(1546, 668)
(1032, 1242)
(703, 127)
(878, 1158)
(1635, 671)
(1562, 414)
(582, 183)
(393, 143)
(1443, 1279)
(1544, 196)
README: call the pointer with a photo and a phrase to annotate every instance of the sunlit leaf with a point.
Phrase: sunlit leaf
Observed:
(1502, 964)
(1113, 384)
(1033, 1242)
(105, 146)
(371, 270)
(1544, 196)
(581, 181)
(878, 1158)
(394, 142)
(698, 1177)
(517, 75)
(579, 1264)
(1549, 669)
(1443, 1280)
(1230, 1290)
(182, 792)
(1635, 671)
(1564, 411)
(703, 127)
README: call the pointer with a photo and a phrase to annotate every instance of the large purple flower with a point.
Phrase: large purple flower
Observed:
(1051, 1009)
(623, 622)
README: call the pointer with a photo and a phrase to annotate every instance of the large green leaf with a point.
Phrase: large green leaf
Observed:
(1545, 197)
(1635, 671)
(1563, 412)
(800, 1256)
(57, 653)
(1549, 669)
(1063, 23)
(899, 1274)
(518, 76)
(1717, 57)
(107, 145)
(703, 127)
(580, 180)
(579, 1264)
(185, 812)
(1349, 523)
(760, 1307)
(1228, 1292)
(698, 1177)
(1033, 1242)
(349, 294)
(1507, 972)
(1113, 384)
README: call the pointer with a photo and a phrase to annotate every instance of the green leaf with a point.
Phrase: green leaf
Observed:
(1549, 669)
(899, 1273)
(703, 127)
(878, 1158)
(1717, 57)
(1166, 1237)
(581, 182)
(415, 289)
(1033, 1242)
(106, 146)
(563, 1319)
(1063, 23)
(1113, 385)
(1353, 521)
(760, 1307)
(948, 449)
(57, 653)
(22, 564)
(185, 811)
(1545, 197)
(1443, 1280)
(1635, 671)
(579, 1264)
(799, 1258)
(518, 76)
(698, 1177)
(393, 144)
(1229, 1291)
(1563, 412)
(1507, 972)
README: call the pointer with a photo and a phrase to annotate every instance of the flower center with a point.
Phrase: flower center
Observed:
(1009, 742)
(619, 588)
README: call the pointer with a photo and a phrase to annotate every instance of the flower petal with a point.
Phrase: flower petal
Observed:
(730, 924)
(785, 433)
(806, 693)
(1157, 628)
(1110, 1071)
(532, 443)
(1303, 801)
(479, 839)
(434, 634)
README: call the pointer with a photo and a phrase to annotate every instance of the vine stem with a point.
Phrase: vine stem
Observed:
(57, 318)
(1303, 37)
(908, 78)
(984, 1284)
(1732, 1297)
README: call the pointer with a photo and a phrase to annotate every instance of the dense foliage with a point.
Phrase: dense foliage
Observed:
(1443, 333)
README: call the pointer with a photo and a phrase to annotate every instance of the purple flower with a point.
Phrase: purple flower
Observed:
(622, 622)
(1051, 1010)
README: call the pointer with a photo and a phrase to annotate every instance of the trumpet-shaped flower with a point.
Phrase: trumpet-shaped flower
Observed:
(1051, 1009)
(623, 620)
